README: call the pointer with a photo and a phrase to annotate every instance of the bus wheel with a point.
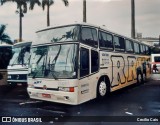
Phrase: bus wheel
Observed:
(139, 78)
(102, 89)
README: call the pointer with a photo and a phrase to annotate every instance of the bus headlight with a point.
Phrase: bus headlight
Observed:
(66, 89)
(9, 76)
(30, 86)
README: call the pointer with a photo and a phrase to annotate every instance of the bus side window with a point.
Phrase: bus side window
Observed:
(147, 50)
(119, 43)
(105, 40)
(136, 48)
(157, 59)
(89, 36)
(94, 61)
(129, 46)
(141, 48)
(84, 62)
(144, 49)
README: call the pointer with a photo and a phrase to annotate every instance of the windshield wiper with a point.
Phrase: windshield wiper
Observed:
(35, 75)
(52, 73)
(45, 72)
(43, 66)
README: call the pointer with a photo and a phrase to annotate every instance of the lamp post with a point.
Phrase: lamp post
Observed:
(159, 40)
(133, 19)
(84, 11)
(20, 22)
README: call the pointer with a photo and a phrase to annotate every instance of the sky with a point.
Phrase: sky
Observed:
(114, 14)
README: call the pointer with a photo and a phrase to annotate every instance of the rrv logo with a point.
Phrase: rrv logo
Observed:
(123, 70)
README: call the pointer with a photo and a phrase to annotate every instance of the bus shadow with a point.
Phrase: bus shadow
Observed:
(124, 96)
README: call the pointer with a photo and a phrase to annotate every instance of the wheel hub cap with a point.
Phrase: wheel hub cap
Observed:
(102, 89)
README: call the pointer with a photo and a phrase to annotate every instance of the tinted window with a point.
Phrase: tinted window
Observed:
(147, 50)
(94, 61)
(157, 58)
(119, 43)
(142, 50)
(105, 40)
(129, 46)
(136, 48)
(84, 62)
(89, 36)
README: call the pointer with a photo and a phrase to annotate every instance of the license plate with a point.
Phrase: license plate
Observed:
(46, 95)
(35, 94)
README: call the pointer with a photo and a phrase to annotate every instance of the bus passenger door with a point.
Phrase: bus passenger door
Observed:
(84, 69)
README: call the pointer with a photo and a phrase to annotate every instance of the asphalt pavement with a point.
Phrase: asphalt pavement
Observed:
(133, 105)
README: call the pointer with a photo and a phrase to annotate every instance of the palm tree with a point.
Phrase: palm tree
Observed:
(1, 2)
(48, 3)
(84, 11)
(3, 36)
(33, 2)
(22, 8)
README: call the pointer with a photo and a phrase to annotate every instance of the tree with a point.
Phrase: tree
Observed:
(48, 3)
(33, 2)
(1, 2)
(22, 8)
(3, 36)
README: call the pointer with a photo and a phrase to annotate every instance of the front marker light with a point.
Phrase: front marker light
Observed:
(66, 89)
(71, 89)
(9, 76)
(30, 86)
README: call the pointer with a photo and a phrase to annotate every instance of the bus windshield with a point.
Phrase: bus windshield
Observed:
(20, 55)
(59, 34)
(55, 61)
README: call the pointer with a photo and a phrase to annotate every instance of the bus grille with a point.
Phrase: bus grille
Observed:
(19, 77)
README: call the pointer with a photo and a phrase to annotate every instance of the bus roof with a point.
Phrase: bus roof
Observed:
(5, 45)
(82, 24)
(92, 25)
(22, 43)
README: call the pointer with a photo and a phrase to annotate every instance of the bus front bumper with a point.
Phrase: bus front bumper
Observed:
(54, 96)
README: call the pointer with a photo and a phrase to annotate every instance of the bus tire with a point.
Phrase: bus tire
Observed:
(103, 88)
(139, 78)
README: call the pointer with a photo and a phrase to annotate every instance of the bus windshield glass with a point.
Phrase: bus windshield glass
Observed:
(20, 55)
(56, 61)
(59, 34)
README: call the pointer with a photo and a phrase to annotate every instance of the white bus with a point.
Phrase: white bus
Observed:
(18, 66)
(73, 64)
(155, 60)
(5, 56)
